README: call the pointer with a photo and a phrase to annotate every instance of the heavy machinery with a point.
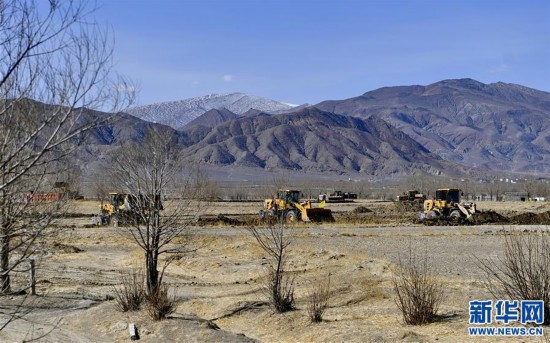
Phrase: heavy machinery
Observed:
(448, 205)
(411, 196)
(338, 196)
(122, 208)
(287, 205)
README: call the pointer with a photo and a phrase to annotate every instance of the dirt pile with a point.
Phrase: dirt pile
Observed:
(488, 217)
(220, 219)
(65, 248)
(530, 218)
(360, 209)
(409, 206)
(492, 217)
(479, 218)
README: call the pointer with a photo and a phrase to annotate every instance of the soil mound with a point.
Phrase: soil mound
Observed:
(360, 209)
(530, 218)
(66, 248)
(479, 218)
(489, 217)
(220, 219)
(409, 206)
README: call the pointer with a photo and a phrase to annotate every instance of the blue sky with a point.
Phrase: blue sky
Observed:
(308, 51)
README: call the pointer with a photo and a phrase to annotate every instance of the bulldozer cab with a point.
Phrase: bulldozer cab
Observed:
(117, 199)
(292, 196)
(448, 195)
(412, 193)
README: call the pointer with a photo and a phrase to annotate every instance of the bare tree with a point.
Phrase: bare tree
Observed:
(494, 189)
(162, 198)
(278, 284)
(54, 65)
(531, 187)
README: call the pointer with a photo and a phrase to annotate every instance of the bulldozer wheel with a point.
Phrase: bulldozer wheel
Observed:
(455, 215)
(291, 217)
(431, 214)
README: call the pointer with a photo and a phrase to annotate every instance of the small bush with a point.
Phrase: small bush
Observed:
(281, 290)
(524, 271)
(418, 290)
(318, 300)
(130, 294)
(160, 304)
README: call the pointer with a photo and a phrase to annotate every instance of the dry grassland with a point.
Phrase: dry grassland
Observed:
(219, 284)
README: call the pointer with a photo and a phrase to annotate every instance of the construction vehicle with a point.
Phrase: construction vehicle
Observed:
(411, 196)
(122, 208)
(338, 196)
(287, 205)
(448, 205)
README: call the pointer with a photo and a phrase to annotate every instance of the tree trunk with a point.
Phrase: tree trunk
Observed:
(152, 272)
(5, 286)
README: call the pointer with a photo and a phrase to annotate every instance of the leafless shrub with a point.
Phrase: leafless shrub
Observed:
(160, 304)
(130, 294)
(417, 288)
(280, 288)
(318, 300)
(524, 271)
(278, 284)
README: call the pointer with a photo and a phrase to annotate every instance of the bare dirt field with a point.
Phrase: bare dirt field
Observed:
(219, 284)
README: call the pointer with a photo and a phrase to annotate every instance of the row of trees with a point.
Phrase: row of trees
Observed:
(494, 189)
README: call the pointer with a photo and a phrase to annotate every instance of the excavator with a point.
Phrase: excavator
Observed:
(448, 205)
(286, 204)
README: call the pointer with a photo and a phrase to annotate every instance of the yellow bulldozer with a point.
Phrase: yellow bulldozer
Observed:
(122, 208)
(286, 204)
(447, 204)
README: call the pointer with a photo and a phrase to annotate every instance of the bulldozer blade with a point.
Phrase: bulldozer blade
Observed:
(320, 215)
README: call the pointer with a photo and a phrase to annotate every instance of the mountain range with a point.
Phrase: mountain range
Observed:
(499, 126)
(453, 127)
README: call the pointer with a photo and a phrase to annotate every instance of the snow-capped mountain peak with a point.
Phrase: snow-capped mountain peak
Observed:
(178, 113)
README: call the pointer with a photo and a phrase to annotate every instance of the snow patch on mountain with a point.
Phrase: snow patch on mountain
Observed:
(178, 113)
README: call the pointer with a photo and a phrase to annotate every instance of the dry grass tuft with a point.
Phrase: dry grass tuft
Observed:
(130, 294)
(160, 304)
(318, 300)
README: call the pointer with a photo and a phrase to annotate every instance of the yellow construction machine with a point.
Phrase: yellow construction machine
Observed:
(448, 205)
(122, 208)
(286, 204)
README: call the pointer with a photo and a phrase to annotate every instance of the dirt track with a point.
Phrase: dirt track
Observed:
(219, 284)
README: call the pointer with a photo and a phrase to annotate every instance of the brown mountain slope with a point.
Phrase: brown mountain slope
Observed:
(213, 117)
(496, 126)
(315, 140)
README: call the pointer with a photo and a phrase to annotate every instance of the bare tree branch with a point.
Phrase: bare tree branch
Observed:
(55, 65)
